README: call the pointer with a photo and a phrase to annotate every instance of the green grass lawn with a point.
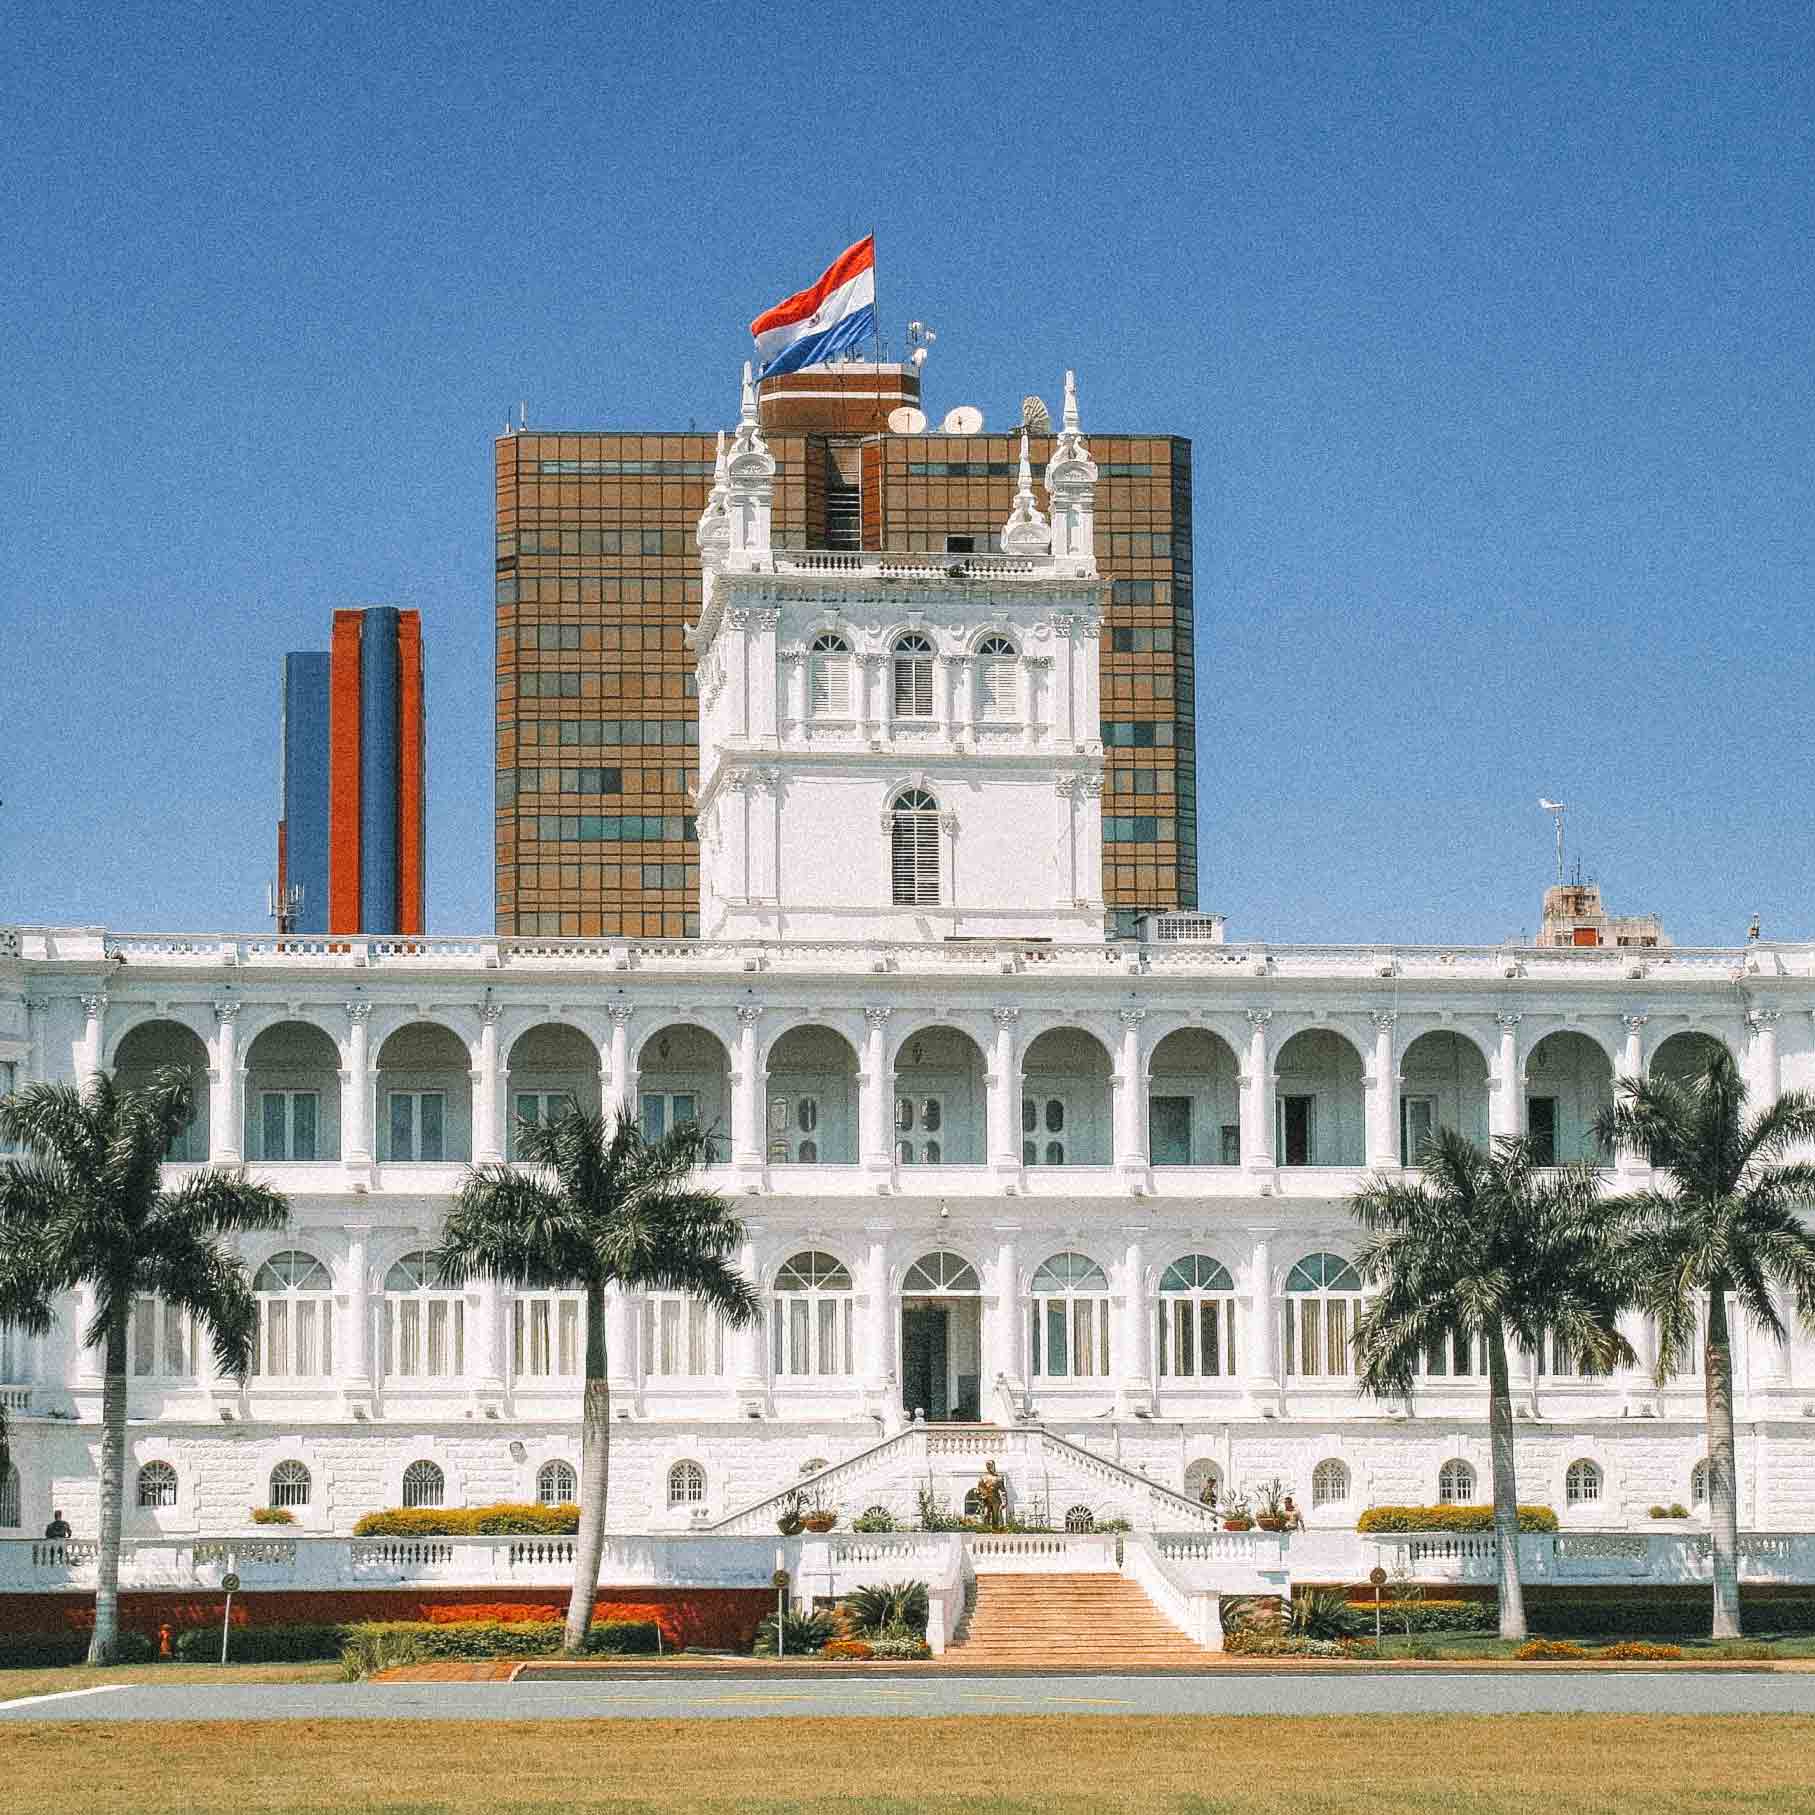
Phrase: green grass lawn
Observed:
(15, 1683)
(1078, 1765)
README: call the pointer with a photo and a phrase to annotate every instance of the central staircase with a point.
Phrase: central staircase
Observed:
(1060, 1622)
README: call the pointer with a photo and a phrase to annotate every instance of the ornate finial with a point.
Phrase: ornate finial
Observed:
(1026, 531)
(749, 482)
(747, 413)
(713, 536)
(1068, 421)
(1071, 483)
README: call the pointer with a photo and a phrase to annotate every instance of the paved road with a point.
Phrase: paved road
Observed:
(1558, 1691)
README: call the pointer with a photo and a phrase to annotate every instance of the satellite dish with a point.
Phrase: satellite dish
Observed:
(907, 421)
(964, 420)
(1035, 415)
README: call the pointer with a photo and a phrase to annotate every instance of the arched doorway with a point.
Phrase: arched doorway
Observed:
(942, 1338)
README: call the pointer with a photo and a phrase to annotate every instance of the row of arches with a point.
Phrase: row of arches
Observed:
(424, 1078)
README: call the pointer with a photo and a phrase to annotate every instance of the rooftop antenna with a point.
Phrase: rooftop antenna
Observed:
(920, 338)
(283, 905)
(1557, 809)
(523, 414)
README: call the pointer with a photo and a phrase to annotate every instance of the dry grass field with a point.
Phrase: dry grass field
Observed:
(1090, 1763)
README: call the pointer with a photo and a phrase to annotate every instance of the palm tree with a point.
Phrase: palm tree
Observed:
(1486, 1246)
(89, 1208)
(600, 1206)
(1723, 1217)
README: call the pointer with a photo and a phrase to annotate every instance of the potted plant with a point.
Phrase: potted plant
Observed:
(791, 1520)
(1237, 1515)
(821, 1517)
(1272, 1515)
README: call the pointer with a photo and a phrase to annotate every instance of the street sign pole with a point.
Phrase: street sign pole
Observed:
(780, 1580)
(230, 1582)
(1377, 1576)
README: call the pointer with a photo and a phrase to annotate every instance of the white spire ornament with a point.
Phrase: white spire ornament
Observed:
(1026, 532)
(713, 536)
(1071, 484)
(750, 480)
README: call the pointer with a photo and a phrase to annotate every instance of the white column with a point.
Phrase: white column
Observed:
(875, 1120)
(1002, 1111)
(1506, 1114)
(1257, 1095)
(353, 1340)
(622, 1097)
(90, 1362)
(878, 684)
(1628, 1165)
(1767, 1078)
(1133, 1367)
(1263, 1317)
(1002, 1339)
(488, 1090)
(488, 1375)
(876, 1338)
(93, 1044)
(620, 1340)
(1383, 1093)
(747, 1094)
(356, 1088)
(226, 1097)
(1131, 1152)
(750, 1345)
(1636, 1383)
(953, 671)
(793, 685)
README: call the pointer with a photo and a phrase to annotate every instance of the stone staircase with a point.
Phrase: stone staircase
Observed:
(1068, 1622)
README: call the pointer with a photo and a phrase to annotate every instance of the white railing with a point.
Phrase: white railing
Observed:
(15, 1398)
(1160, 1505)
(1084, 957)
(1194, 1608)
(1042, 1553)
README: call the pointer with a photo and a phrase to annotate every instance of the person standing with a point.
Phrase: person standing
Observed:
(58, 1526)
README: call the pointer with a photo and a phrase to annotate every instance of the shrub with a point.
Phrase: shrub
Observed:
(1685, 1616)
(373, 1646)
(259, 1644)
(1555, 1649)
(1430, 1616)
(627, 1638)
(1641, 1649)
(469, 1521)
(892, 1608)
(52, 1650)
(1252, 1613)
(417, 1641)
(1675, 1510)
(896, 1647)
(1323, 1613)
(854, 1649)
(877, 1518)
(273, 1515)
(800, 1633)
(1262, 1644)
(1450, 1518)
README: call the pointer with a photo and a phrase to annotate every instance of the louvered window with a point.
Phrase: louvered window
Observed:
(914, 849)
(998, 679)
(913, 677)
(829, 669)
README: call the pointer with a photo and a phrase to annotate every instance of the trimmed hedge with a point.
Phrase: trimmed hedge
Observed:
(504, 1520)
(259, 1644)
(52, 1650)
(1686, 1616)
(1430, 1616)
(479, 1639)
(1450, 1518)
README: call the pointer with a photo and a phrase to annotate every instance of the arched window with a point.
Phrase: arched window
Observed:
(11, 1516)
(295, 1318)
(686, 1484)
(998, 679)
(1456, 1483)
(424, 1322)
(557, 1484)
(1698, 1483)
(829, 676)
(812, 1316)
(290, 1485)
(1581, 1483)
(1203, 1481)
(1069, 1337)
(1196, 1312)
(157, 1484)
(548, 1335)
(683, 1338)
(1329, 1482)
(913, 676)
(424, 1485)
(1322, 1303)
(940, 1273)
(1080, 1519)
(914, 848)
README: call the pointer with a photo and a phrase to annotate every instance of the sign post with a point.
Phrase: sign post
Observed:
(229, 1582)
(780, 1583)
(1377, 1576)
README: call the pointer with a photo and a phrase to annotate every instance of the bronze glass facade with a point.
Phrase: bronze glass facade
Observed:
(597, 726)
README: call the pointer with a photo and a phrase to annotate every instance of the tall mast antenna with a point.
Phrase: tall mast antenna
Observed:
(1556, 809)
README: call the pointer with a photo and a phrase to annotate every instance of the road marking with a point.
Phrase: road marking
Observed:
(64, 1695)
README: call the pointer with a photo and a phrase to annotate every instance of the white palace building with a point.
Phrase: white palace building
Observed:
(1013, 1188)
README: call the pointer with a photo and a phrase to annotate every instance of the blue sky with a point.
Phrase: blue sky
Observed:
(1491, 325)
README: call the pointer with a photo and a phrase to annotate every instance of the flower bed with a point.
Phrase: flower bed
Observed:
(1450, 1519)
(504, 1520)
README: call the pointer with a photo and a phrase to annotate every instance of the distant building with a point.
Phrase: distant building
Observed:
(1573, 915)
(352, 775)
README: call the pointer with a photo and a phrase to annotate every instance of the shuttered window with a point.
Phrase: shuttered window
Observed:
(998, 679)
(913, 677)
(914, 852)
(829, 674)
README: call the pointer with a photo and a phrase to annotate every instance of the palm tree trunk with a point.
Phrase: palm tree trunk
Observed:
(1506, 1485)
(595, 1474)
(1723, 1477)
(104, 1647)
